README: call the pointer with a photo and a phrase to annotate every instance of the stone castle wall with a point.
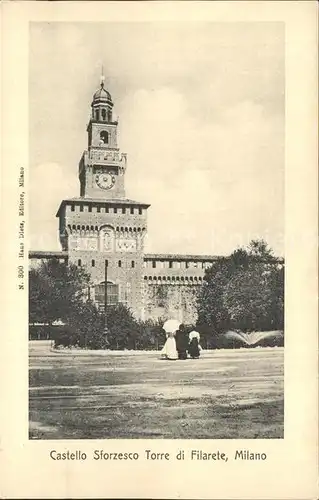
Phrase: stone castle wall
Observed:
(159, 286)
(166, 301)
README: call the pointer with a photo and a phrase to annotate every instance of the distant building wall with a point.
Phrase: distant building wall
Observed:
(170, 301)
(172, 283)
(158, 286)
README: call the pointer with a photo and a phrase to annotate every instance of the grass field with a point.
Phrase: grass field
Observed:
(225, 394)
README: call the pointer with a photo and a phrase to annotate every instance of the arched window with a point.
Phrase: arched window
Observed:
(104, 136)
(97, 114)
(112, 294)
(103, 114)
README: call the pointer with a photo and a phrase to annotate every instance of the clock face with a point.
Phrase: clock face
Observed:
(105, 181)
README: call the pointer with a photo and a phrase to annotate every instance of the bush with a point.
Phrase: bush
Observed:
(40, 332)
(64, 336)
(85, 329)
(151, 335)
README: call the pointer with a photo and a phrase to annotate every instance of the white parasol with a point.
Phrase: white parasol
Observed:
(171, 325)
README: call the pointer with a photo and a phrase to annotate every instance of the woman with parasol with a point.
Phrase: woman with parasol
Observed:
(169, 350)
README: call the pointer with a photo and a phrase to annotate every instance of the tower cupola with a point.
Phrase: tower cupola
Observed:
(102, 104)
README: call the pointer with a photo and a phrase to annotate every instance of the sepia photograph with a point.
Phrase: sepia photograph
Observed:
(156, 230)
(160, 267)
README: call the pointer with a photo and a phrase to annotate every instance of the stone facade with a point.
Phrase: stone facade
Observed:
(94, 233)
(171, 284)
(104, 231)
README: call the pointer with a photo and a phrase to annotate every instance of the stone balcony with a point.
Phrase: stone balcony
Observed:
(102, 157)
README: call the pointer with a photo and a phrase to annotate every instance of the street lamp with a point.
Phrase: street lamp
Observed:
(106, 332)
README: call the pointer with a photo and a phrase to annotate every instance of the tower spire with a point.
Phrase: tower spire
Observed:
(102, 77)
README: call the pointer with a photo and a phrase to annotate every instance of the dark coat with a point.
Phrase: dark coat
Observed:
(193, 348)
(181, 339)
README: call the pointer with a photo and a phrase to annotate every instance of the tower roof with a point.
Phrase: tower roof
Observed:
(102, 96)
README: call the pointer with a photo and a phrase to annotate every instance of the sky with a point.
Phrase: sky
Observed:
(201, 118)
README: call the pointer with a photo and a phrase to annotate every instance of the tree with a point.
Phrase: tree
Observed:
(38, 303)
(277, 284)
(260, 249)
(247, 298)
(244, 291)
(55, 291)
(123, 327)
(151, 334)
(87, 326)
(211, 307)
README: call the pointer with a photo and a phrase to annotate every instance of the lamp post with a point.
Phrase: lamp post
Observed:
(105, 304)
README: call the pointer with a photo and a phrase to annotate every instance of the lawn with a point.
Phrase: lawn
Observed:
(226, 394)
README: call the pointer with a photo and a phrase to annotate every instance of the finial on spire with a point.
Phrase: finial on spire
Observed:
(102, 78)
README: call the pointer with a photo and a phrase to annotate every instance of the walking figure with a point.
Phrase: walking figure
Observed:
(194, 348)
(181, 338)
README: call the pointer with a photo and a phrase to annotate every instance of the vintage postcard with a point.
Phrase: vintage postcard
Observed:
(160, 258)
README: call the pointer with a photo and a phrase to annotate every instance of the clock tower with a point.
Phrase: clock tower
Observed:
(102, 166)
(102, 228)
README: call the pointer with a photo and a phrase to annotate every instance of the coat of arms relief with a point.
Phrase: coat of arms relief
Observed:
(107, 239)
